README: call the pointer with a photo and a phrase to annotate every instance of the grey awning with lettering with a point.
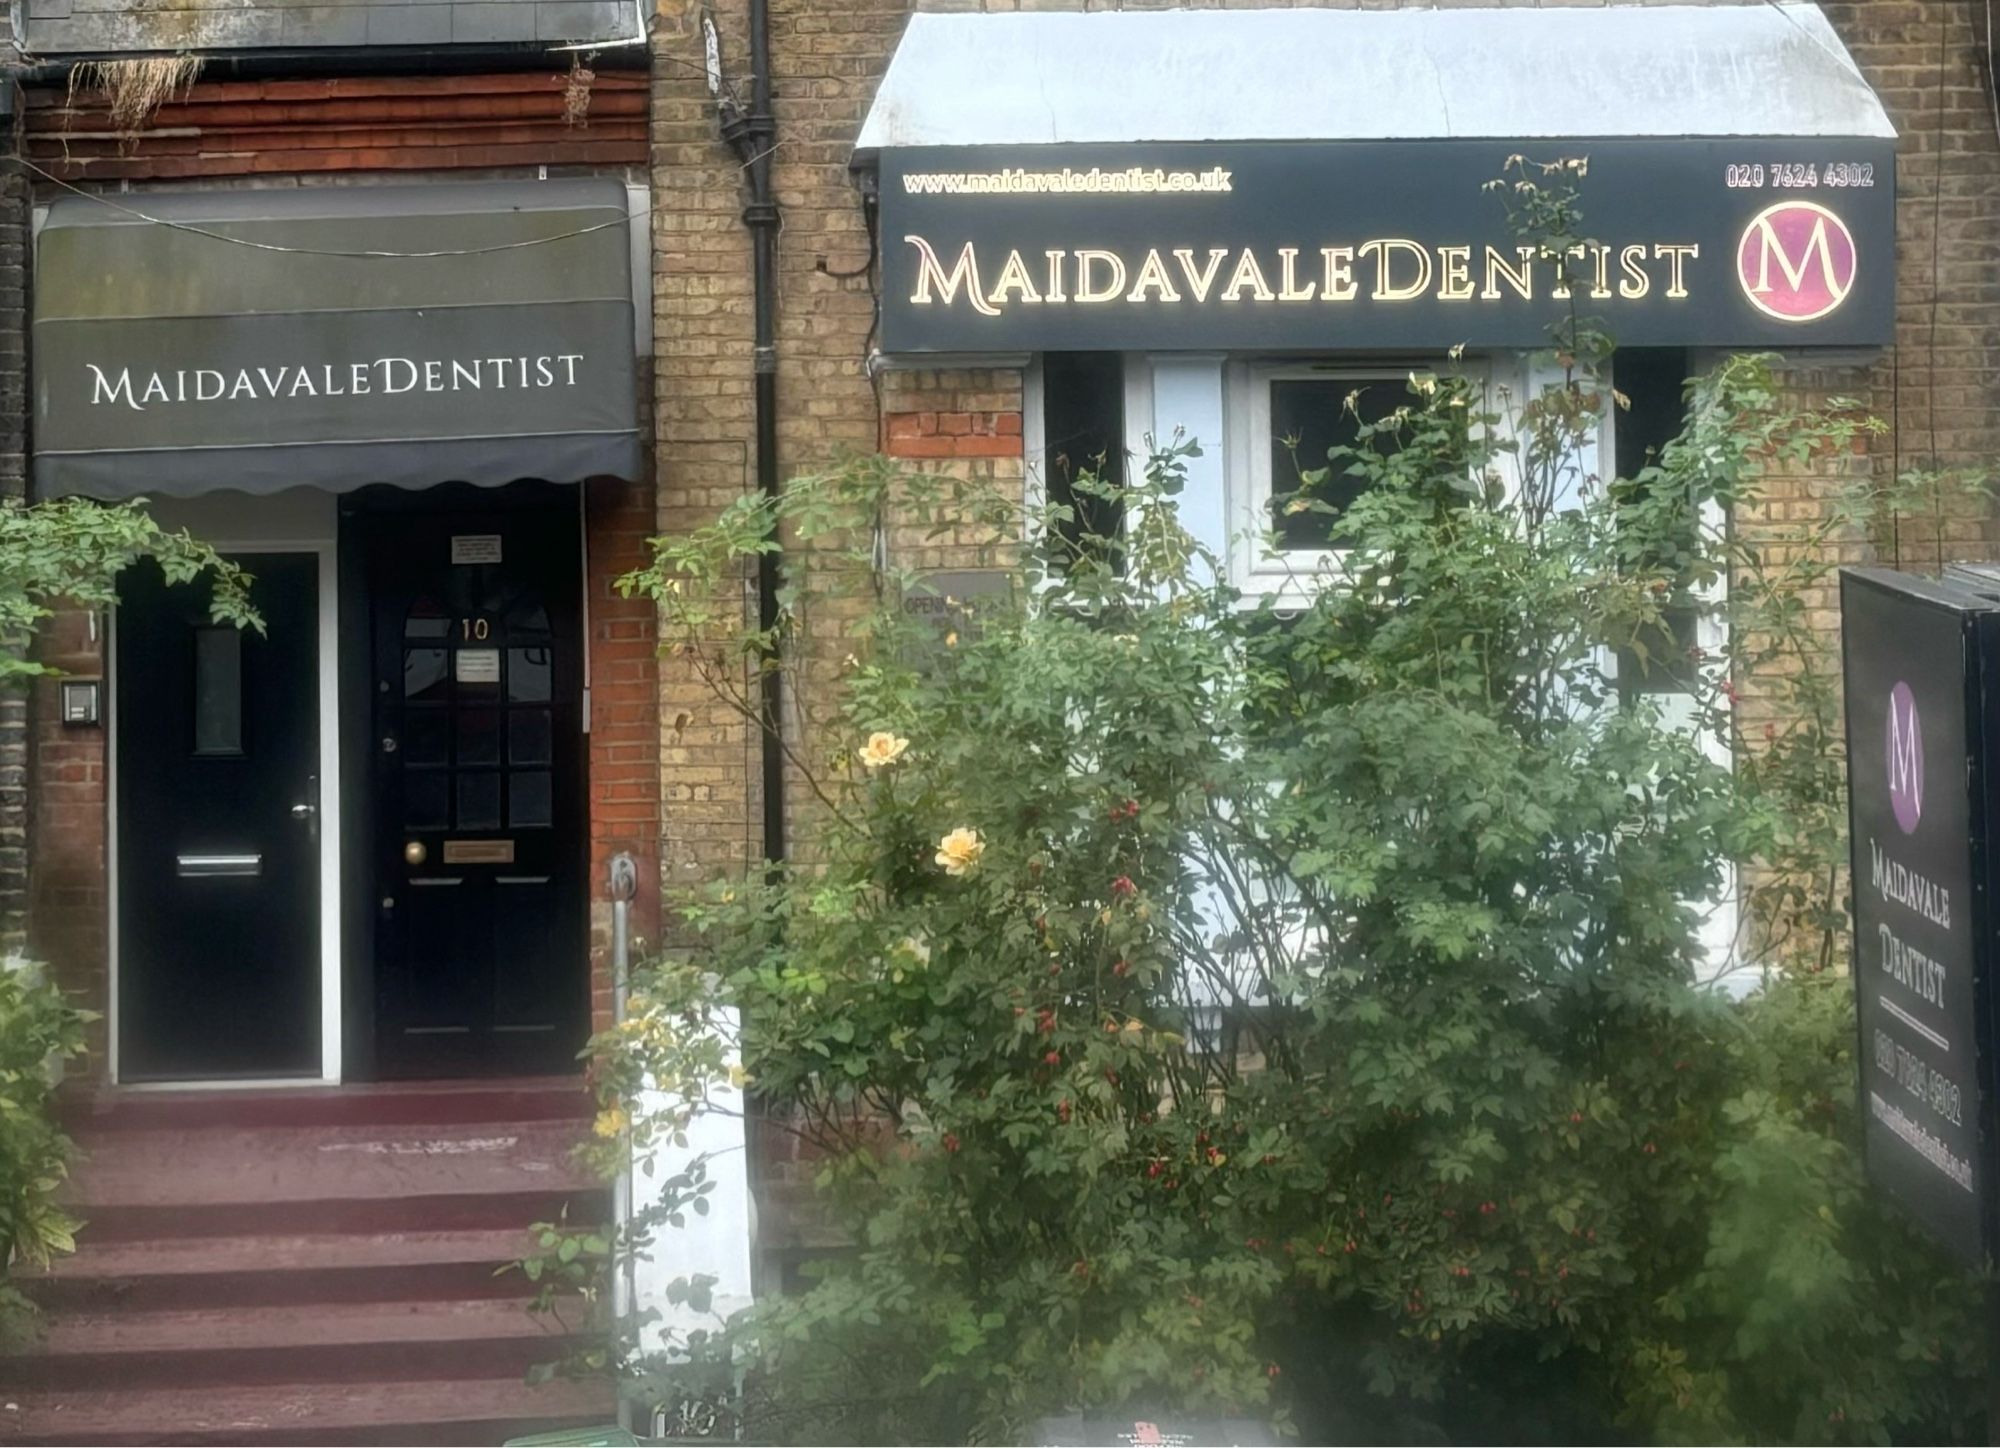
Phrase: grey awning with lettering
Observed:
(334, 337)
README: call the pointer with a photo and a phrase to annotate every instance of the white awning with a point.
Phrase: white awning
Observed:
(1625, 70)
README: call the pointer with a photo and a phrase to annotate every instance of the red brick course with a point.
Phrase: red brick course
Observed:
(951, 434)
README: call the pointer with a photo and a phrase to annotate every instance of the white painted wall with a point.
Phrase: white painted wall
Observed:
(715, 1244)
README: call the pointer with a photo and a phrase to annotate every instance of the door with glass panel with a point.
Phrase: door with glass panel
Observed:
(217, 813)
(476, 750)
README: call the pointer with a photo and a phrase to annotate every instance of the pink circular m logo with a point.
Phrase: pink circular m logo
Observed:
(1906, 759)
(1796, 261)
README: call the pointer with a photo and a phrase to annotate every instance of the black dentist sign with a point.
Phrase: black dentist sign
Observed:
(1922, 665)
(1362, 244)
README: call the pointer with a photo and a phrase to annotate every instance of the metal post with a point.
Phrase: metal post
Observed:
(624, 884)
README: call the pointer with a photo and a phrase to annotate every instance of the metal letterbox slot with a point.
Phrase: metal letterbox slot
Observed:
(210, 866)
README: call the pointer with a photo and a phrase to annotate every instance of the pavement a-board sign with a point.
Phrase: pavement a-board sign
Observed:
(1922, 681)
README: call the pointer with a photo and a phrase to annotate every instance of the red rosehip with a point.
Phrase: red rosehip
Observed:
(1349, 1248)
(1154, 1168)
(950, 1142)
(1123, 886)
(1576, 1118)
(1063, 1110)
(1053, 1058)
(1271, 1371)
(1650, 1149)
(1120, 968)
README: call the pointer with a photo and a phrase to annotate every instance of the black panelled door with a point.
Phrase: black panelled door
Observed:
(218, 829)
(477, 844)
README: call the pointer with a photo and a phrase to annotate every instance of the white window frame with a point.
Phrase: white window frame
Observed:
(1258, 571)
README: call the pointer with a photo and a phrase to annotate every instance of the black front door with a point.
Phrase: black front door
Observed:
(476, 845)
(218, 838)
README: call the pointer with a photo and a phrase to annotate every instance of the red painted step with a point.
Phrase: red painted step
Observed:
(354, 1342)
(209, 1165)
(435, 1103)
(471, 1211)
(308, 1267)
(441, 1412)
(264, 1271)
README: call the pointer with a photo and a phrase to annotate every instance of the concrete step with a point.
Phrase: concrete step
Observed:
(354, 1342)
(269, 1271)
(422, 1412)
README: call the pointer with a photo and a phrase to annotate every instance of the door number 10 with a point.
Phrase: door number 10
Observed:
(472, 628)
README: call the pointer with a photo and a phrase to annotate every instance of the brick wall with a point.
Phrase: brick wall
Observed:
(624, 721)
(68, 922)
(14, 707)
(1936, 389)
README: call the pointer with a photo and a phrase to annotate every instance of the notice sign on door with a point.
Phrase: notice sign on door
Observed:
(475, 548)
(477, 666)
(1920, 761)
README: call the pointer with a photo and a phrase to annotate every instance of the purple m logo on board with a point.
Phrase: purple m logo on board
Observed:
(1906, 759)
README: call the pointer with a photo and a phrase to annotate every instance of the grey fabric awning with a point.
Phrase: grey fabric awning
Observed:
(334, 337)
(1120, 76)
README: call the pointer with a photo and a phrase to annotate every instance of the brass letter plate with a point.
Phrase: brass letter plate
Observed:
(479, 852)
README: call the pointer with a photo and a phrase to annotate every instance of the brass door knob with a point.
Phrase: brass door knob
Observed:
(415, 853)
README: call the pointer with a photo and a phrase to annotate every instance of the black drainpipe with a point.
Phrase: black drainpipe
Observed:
(752, 136)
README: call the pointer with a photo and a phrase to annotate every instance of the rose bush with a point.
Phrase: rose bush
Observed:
(1301, 1011)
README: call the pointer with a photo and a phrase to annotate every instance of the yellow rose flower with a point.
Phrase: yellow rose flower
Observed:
(882, 748)
(960, 850)
(611, 1122)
